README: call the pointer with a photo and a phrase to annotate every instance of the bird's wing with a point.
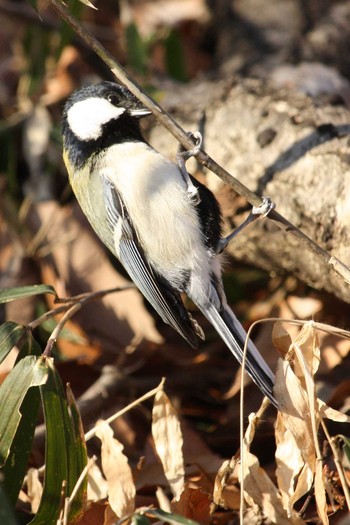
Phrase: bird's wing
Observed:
(164, 299)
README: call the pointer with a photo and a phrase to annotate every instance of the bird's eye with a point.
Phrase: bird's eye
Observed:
(113, 99)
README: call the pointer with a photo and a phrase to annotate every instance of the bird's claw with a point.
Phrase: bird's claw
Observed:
(265, 207)
(198, 137)
(182, 156)
(257, 211)
(192, 192)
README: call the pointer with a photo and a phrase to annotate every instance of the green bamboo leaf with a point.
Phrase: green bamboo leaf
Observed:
(29, 347)
(30, 371)
(15, 467)
(64, 456)
(173, 519)
(6, 513)
(77, 458)
(10, 334)
(11, 294)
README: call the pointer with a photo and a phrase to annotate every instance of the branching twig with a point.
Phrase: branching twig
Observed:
(70, 301)
(173, 127)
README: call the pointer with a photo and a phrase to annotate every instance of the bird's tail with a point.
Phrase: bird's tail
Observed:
(233, 334)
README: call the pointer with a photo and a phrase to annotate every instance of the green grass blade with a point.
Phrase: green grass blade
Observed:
(15, 467)
(10, 335)
(7, 516)
(11, 294)
(30, 371)
(77, 457)
(64, 455)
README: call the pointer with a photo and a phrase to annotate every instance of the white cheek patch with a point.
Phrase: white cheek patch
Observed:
(86, 118)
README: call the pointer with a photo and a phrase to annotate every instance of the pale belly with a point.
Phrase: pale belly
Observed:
(162, 212)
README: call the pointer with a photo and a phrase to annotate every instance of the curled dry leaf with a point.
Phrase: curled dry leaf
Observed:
(259, 491)
(121, 488)
(295, 451)
(298, 455)
(168, 441)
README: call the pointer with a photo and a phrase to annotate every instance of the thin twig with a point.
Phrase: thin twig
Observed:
(94, 295)
(69, 301)
(58, 328)
(175, 129)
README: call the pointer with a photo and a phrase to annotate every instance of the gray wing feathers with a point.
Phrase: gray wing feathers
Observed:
(163, 298)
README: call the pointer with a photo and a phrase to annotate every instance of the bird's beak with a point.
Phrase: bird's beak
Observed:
(140, 112)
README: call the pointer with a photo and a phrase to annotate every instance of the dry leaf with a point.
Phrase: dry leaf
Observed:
(226, 494)
(110, 517)
(259, 490)
(280, 338)
(289, 462)
(163, 500)
(35, 489)
(320, 495)
(168, 441)
(97, 488)
(298, 453)
(331, 413)
(121, 488)
(294, 417)
(194, 504)
(309, 355)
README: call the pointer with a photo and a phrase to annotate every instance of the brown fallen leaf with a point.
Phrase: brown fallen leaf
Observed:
(97, 488)
(121, 488)
(259, 491)
(168, 441)
(194, 504)
(226, 493)
(298, 454)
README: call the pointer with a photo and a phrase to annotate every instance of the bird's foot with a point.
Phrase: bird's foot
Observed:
(257, 211)
(182, 156)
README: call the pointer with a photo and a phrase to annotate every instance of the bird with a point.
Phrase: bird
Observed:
(167, 236)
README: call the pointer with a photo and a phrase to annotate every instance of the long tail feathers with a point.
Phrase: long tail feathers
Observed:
(233, 334)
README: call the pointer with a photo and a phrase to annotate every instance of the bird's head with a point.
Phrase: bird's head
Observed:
(89, 111)
(99, 115)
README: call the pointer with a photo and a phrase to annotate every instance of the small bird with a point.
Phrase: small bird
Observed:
(167, 236)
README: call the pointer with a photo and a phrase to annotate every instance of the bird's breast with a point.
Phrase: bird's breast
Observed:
(162, 213)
